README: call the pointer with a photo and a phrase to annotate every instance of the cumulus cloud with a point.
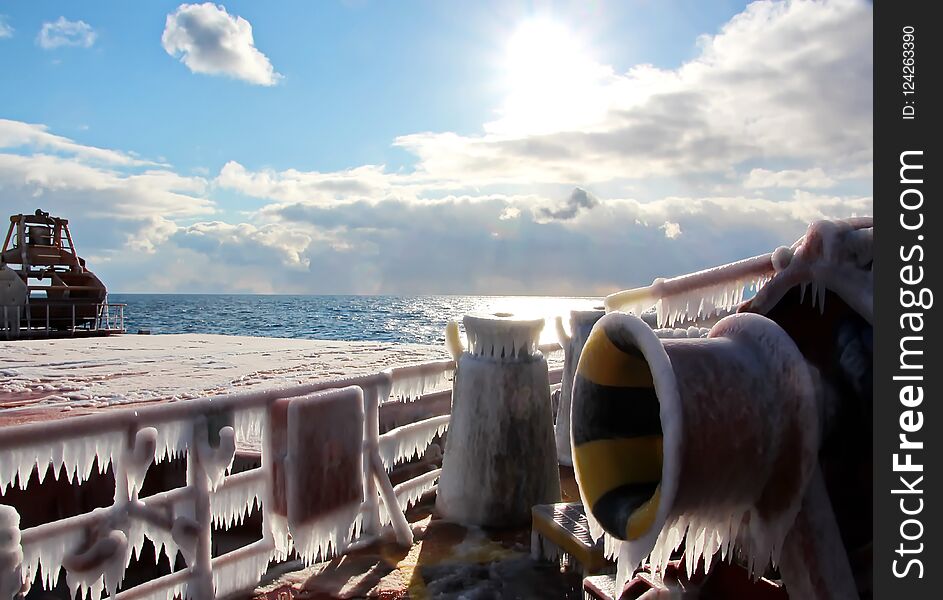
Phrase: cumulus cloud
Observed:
(63, 32)
(15, 134)
(787, 81)
(117, 203)
(5, 29)
(672, 230)
(367, 181)
(790, 178)
(209, 40)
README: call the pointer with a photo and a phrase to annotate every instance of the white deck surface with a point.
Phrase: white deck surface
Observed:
(42, 379)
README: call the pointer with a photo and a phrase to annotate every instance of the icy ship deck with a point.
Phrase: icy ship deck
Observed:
(44, 380)
(445, 561)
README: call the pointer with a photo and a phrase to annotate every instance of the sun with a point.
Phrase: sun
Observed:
(551, 78)
(537, 48)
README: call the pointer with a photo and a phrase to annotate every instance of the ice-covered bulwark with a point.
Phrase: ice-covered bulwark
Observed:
(581, 323)
(713, 439)
(500, 457)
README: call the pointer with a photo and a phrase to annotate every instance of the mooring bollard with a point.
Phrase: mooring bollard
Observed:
(715, 439)
(499, 459)
(581, 323)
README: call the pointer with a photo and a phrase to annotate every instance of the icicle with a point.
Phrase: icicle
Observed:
(403, 443)
(109, 556)
(324, 536)
(76, 454)
(248, 424)
(45, 546)
(235, 499)
(168, 587)
(172, 439)
(412, 382)
(409, 492)
(240, 570)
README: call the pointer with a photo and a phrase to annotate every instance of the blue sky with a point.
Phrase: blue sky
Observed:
(448, 147)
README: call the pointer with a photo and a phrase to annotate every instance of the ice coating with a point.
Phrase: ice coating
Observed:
(328, 536)
(78, 455)
(241, 570)
(11, 554)
(248, 427)
(217, 461)
(237, 497)
(413, 381)
(677, 333)
(100, 567)
(581, 323)
(744, 495)
(703, 294)
(168, 587)
(500, 335)
(408, 441)
(409, 492)
(832, 255)
(500, 409)
(45, 546)
(138, 460)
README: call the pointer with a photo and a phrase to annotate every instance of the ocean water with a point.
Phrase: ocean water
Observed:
(405, 319)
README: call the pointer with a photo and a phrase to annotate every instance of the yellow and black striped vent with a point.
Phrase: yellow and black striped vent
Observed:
(616, 428)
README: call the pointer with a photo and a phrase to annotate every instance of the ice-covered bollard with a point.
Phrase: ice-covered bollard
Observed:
(710, 438)
(581, 323)
(499, 458)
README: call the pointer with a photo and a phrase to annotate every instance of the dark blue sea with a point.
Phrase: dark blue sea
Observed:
(406, 319)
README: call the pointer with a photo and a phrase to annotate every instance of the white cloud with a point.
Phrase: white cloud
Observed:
(114, 205)
(64, 32)
(15, 134)
(672, 230)
(367, 181)
(809, 178)
(5, 29)
(209, 40)
(785, 81)
(660, 181)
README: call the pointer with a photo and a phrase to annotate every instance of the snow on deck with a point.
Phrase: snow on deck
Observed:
(48, 379)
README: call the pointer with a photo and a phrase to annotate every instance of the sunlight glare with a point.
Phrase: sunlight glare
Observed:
(553, 81)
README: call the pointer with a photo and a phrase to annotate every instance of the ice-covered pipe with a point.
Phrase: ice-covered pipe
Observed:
(714, 438)
(719, 289)
(500, 458)
(581, 323)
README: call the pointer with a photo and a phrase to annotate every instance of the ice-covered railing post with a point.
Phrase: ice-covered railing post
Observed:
(11, 554)
(581, 323)
(500, 458)
(710, 440)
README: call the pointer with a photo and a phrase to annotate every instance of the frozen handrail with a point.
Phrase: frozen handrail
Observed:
(110, 437)
(707, 292)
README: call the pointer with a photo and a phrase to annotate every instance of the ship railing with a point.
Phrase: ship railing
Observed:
(409, 405)
(108, 318)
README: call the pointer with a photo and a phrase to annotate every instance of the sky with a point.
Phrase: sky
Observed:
(364, 147)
